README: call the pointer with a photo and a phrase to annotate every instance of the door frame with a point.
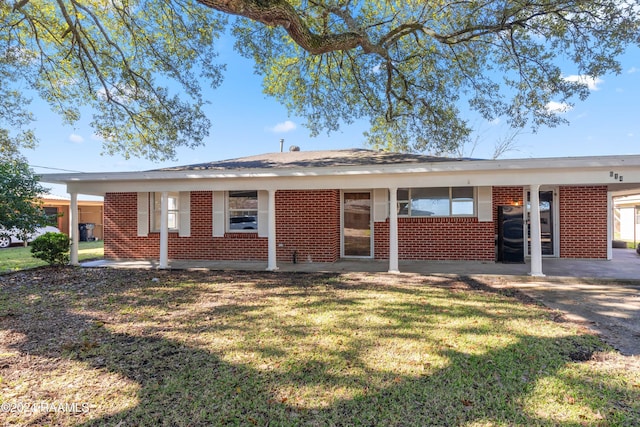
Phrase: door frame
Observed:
(555, 212)
(371, 237)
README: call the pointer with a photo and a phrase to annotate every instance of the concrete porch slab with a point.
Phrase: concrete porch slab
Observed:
(624, 265)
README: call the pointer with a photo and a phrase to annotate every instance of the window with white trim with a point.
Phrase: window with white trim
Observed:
(436, 201)
(242, 211)
(172, 213)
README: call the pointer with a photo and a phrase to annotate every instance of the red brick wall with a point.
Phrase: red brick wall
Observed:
(438, 239)
(201, 244)
(457, 238)
(505, 196)
(121, 228)
(122, 241)
(582, 218)
(308, 222)
(583, 222)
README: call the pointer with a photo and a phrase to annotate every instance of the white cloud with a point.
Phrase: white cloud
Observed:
(283, 127)
(558, 107)
(633, 70)
(74, 137)
(591, 82)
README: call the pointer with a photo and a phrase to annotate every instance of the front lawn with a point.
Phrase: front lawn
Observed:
(96, 347)
(19, 257)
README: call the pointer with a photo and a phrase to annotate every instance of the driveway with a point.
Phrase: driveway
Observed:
(604, 296)
(609, 308)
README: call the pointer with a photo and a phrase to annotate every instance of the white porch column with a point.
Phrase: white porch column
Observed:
(164, 230)
(272, 250)
(536, 242)
(393, 230)
(73, 229)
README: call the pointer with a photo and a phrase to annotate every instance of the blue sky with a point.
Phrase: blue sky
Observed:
(246, 123)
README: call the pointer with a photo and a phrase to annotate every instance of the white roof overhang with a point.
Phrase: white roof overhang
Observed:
(605, 170)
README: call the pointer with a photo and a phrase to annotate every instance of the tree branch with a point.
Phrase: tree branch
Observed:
(280, 13)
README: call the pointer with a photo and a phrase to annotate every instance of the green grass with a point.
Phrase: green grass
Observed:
(172, 348)
(19, 257)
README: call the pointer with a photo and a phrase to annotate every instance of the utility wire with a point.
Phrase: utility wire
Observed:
(55, 169)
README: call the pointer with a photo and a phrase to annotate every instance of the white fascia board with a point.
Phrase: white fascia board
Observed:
(360, 181)
(563, 163)
(552, 171)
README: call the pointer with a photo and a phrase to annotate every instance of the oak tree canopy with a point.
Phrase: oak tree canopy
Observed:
(412, 68)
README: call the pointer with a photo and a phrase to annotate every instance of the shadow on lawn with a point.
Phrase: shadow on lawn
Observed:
(184, 385)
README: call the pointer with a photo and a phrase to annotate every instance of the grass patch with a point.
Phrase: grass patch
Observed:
(213, 348)
(19, 257)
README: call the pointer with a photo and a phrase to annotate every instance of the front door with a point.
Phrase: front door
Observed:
(356, 224)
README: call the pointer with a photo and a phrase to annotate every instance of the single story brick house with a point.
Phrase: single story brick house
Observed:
(322, 206)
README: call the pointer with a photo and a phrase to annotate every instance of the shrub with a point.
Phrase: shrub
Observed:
(52, 248)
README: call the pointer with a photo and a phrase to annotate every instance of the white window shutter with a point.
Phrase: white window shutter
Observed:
(380, 204)
(218, 214)
(485, 204)
(263, 213)
(143, 214)
(184, 215)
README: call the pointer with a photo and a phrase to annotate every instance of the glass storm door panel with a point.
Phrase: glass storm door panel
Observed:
(546, 223)
(357, 224)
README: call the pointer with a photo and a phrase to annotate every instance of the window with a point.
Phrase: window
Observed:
(243, 211)
(172, 212)
(462, 201)
(436, 201)
(52, 215)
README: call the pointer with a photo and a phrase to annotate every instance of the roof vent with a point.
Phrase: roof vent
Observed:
(294, 148)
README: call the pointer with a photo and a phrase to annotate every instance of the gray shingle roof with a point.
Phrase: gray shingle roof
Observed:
(313, 159)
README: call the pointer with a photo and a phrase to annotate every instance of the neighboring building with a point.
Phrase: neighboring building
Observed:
(626, 223)
(325, 205)
(90, 213)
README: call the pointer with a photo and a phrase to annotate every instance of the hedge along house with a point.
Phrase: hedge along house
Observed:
(326, 205)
